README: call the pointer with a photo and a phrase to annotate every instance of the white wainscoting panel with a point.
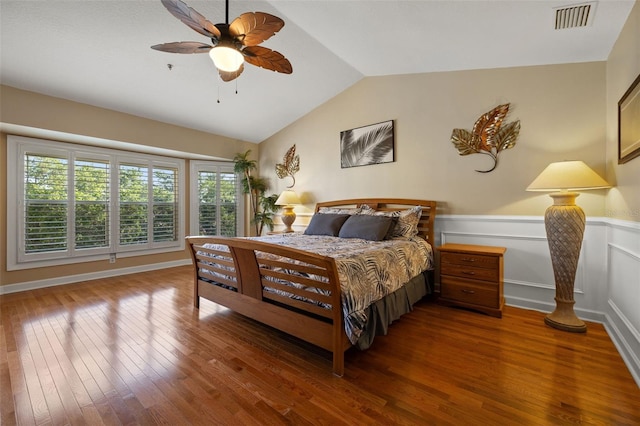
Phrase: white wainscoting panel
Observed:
(623, 305)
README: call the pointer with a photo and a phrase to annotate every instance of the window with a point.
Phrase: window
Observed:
(217, 191)
(69, 202)
(148, 204)
(134, 204)
(91, 184)
(165, 203)
(46, 203)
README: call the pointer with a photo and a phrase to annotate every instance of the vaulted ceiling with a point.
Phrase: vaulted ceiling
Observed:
(98, 52)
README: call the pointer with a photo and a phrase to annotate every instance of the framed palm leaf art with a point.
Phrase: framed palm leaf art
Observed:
(367, 145)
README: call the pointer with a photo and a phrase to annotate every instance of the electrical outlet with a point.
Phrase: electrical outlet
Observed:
(112, 258)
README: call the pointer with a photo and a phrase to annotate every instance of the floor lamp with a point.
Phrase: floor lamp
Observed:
(287, 199)
(564, 222)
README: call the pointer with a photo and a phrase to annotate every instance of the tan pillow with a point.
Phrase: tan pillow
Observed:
(338, 210)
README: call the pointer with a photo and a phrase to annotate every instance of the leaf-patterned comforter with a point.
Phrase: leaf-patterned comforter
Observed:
(368, 270)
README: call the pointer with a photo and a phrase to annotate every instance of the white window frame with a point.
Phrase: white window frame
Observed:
(217, 167)
(18, 146)
(150, 163)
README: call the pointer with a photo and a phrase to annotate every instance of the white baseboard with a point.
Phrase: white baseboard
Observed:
(626, 338)
(70, 279)
(536, 305)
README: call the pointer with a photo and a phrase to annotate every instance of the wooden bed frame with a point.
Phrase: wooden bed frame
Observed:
(244, 276)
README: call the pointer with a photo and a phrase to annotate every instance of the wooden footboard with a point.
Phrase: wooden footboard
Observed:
(245, 276)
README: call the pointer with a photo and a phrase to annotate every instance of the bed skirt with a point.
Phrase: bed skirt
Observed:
(385, 311)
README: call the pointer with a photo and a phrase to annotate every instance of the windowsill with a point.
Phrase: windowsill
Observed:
(15, 266)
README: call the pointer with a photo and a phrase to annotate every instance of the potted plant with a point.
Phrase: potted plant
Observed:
(262, 207)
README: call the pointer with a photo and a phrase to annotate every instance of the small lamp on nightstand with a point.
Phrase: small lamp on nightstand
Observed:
(564, 222)
(288, 199)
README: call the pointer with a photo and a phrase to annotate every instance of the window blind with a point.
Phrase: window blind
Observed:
(218, 201)
(45, 203)
(165, 204)
(134, 204)
(91, 191)
(73, 201)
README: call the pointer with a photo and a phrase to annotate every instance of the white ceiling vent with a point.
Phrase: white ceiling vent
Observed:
(575, 16)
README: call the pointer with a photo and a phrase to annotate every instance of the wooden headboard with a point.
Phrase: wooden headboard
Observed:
(425, 226)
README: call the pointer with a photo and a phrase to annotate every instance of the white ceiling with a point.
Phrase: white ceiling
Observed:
(98, 52)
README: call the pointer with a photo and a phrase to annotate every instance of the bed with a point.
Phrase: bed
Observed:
(306, 290)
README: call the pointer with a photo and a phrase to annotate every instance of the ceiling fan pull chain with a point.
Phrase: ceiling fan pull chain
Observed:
(218, 87)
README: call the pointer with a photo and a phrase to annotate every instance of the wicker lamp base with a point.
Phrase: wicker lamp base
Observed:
(564, 222)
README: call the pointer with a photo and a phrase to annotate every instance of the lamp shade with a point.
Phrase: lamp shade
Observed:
(287, 198)
(567, 175)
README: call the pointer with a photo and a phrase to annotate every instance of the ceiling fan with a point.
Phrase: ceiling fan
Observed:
(233, 44)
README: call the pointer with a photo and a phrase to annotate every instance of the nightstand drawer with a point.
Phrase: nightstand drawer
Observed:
(480, 261)
(471, 276)
(468, 291)
(471, 272)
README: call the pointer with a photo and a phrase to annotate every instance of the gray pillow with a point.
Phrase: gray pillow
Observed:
(326, 224)
(405, 221)
(373, 228)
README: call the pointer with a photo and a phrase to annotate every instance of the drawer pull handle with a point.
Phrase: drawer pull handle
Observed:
(464, 290)
(468, 259)
(468, 272)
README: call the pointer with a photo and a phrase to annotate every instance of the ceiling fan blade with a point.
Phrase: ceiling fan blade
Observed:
(252, 28)
(183, 47)
(267, 58)
(191, 18)
(231, 75)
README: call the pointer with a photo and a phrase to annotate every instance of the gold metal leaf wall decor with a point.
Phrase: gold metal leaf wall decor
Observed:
(290, 165)
(489, 136)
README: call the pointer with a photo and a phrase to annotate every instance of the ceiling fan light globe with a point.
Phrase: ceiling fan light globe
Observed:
(226, 58)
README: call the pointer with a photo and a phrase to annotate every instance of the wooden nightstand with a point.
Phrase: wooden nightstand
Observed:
(472, 277)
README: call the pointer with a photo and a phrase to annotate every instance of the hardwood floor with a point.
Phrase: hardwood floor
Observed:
(133, 350)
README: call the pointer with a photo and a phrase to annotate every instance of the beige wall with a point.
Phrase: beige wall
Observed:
(623, 67)
(561, 109)
(45, 112)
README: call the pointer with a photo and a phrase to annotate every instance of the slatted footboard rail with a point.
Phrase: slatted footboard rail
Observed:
(292, 290)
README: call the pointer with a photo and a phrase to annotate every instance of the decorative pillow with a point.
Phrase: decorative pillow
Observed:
(338, 210)
(326, 224)
(406, 221)
(367, 227)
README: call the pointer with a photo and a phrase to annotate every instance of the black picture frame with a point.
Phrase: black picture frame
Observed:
(629, 123)
(363, 146)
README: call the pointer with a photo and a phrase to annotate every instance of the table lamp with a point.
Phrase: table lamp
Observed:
(564, 223)
(287, 199)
